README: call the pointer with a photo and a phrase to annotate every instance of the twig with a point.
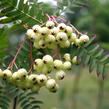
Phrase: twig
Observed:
(54, 20)
(31, 56)
(15, 103)
(61, 18)
(48, 16)
(17, 53)
(16, 66)
(69, 24)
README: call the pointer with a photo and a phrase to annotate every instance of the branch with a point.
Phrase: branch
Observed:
(31, 56)
(17, 53)
(15, 103)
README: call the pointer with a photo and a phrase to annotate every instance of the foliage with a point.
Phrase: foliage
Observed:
(25, 99)
(4, 43)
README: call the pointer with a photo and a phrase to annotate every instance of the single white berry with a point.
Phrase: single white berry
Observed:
(60, 74)
(22, 73)
(65, 44)
(54, 31)
(42, 43)
(50, 24)
(61, 27)
(1, 73)
(44, 31)
(67, 65)
(76, 60)
(15, 76)
(51, 83)
(7, 74)
(42, 79)
(67, 57)
(29, 32)
(50, 39)
(77, 42)
(55, 89)
(84, 38)
(38, 64)
(68, 30)
(33, 78)
(36, 29)
(47, 59)
(36, 44)
(73, 37)
(58, 64)
(61, 36)
(36, 37)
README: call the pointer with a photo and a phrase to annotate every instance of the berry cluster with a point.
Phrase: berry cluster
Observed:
(50, 36)
(44, 67)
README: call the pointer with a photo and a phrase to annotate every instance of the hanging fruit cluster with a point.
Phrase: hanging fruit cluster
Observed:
(51, 36)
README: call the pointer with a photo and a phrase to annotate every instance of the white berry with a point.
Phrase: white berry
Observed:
(42, 79)
(50, 24)
(58, 64)
(47, 59)
(29, 32)
(36, 29)
(61, 36)
(60, 74)
(68, 30)
(7, 74)
(84, 38)
(67, 57)
(61, 27)
(51, 83)
(67, 65)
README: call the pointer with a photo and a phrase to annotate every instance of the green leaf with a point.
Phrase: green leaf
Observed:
(92, 64)
(105, 71)
(86, 59)
(26, 8)
(93, 48)
(98, 53)
(104, 57)
(6, 10)
(99, 69)
(21, 2)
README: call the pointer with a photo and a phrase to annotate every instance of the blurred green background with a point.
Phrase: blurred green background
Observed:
(79, 90)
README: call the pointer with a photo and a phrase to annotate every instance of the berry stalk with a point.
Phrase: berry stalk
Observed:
(31, 56)
(17, 53)
(48, 16)
(54, 20)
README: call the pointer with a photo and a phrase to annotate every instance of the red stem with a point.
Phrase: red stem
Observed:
(17, 53)
(31, 56)
(54, 20)
(48, 16)
(75, 29)
(69, 24)
(16, 66)
(61, 18)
